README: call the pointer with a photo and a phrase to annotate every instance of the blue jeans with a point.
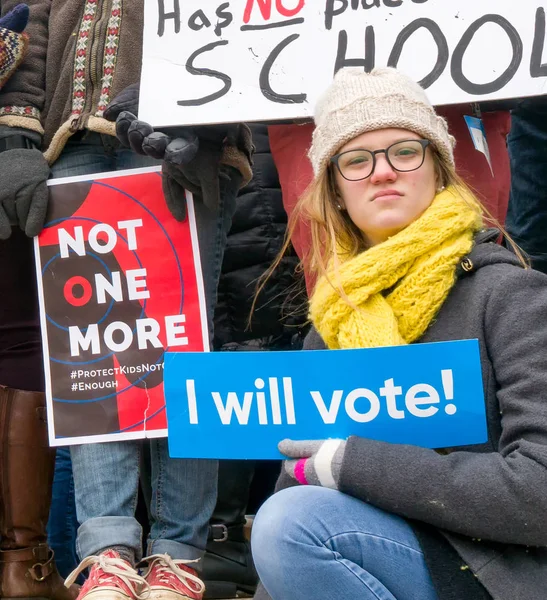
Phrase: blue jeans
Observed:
(313, 542)
(527, 214)
(106, 475)
(62, 524)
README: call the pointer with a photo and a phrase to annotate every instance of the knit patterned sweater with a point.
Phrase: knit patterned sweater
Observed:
(12, 49)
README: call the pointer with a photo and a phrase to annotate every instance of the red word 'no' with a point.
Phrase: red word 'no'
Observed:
(265, 7)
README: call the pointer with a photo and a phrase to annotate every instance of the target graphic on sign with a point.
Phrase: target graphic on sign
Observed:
(120, 284)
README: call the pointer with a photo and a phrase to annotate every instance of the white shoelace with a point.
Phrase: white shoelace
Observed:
(115, 567)
(168, 565)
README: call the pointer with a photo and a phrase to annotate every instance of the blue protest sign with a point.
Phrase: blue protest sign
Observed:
(241, 404)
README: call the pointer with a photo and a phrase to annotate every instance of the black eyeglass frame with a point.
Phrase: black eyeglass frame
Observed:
(423, 143)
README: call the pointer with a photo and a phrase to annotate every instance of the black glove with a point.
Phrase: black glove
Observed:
(23, 191)
(126, 100)
(191, 155)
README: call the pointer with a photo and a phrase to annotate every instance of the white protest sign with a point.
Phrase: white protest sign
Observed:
(208, 61)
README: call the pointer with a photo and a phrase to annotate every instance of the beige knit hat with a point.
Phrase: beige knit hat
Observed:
(357, 102)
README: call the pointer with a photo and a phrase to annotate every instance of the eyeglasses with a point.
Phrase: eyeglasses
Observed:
(404, 156)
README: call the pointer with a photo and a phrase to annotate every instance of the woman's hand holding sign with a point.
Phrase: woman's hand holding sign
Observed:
(194, 158)
(314, 462)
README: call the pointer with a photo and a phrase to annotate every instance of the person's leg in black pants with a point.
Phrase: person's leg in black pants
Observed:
(527, 215)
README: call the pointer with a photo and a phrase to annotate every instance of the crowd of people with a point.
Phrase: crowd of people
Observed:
(377, 225)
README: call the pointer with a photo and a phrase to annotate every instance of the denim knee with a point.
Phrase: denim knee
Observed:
(311, 542)
(270, 526)
(284, 517)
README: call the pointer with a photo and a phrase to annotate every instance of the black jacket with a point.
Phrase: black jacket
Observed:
(254, 241)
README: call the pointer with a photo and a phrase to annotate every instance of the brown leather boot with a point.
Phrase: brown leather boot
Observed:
(27, 565)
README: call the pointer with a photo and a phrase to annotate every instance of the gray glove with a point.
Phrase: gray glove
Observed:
(23, 191)
(315, 462)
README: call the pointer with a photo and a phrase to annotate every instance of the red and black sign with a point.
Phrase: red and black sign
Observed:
(120, 284)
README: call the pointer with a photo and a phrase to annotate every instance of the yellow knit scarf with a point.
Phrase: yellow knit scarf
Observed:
(394, 290)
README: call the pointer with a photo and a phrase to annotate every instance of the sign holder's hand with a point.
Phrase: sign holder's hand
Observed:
(192, 156)
(315, 462)
(24, 193)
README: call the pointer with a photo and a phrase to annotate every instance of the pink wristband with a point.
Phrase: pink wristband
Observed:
(300, 471)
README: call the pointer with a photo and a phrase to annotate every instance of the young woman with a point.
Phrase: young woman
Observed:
(402, 257)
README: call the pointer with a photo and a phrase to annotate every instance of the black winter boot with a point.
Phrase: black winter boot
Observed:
(228, 567)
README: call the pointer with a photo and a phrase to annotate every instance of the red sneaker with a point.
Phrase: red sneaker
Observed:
(111, 578)
(170, 579)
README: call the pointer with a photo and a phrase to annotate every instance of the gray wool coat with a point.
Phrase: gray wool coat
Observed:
(489, 501)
